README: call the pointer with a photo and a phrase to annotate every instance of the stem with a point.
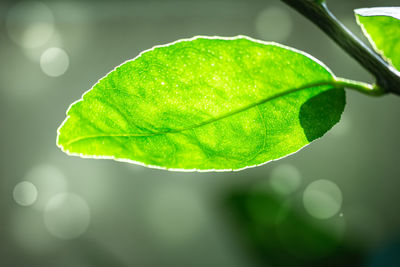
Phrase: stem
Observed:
(316, 11)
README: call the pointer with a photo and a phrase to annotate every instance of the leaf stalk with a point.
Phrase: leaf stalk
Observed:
(365, 88)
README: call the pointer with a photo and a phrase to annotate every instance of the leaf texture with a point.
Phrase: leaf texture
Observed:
(381, 25)
(205, 103)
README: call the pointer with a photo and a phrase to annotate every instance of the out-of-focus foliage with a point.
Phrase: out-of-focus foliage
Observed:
(281, 235)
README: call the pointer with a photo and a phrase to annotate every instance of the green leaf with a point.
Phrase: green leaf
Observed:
(381, 26)
(206, 103)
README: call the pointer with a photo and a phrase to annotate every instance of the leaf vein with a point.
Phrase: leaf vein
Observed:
(209, 121)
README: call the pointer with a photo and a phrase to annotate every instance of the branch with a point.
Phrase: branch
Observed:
(317, 12)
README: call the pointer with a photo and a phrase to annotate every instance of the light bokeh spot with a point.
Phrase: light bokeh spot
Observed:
(30, 24)
(34, 54)
(25, 193)
(322, 199)
(67, 216)
(48, 180)
(54, 62)
(285, 179)
(273, 24)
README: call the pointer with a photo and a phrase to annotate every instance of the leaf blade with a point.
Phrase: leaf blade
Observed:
(381, 26)
(209, 78)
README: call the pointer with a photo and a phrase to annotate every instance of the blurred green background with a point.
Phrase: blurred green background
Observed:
(335, 203)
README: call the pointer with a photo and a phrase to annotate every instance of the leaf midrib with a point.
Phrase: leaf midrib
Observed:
(256, 104)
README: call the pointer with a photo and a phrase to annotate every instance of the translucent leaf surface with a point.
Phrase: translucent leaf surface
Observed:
(206, 103)
(381, 25)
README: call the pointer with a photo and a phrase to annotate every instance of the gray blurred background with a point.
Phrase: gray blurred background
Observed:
(57, 210)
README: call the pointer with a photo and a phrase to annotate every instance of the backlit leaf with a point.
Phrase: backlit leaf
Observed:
(206, 103)
(381, 25)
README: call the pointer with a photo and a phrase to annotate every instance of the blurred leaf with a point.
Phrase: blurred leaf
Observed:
(279, 233)
(205, 103)
(382, 28)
